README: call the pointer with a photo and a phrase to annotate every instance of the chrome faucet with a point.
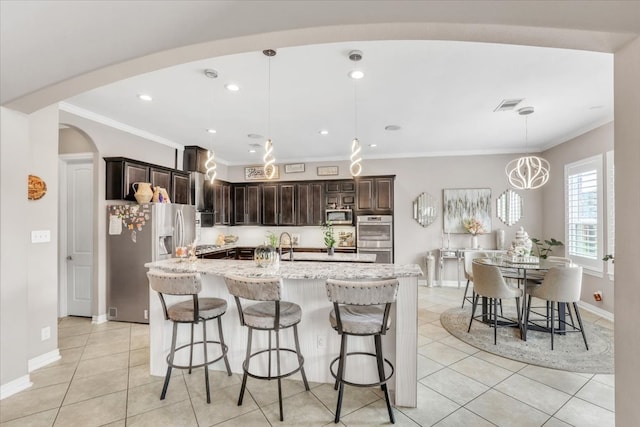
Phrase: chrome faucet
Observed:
(290, 245)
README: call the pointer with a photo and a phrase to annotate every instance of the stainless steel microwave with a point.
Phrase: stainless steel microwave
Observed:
(339, 216)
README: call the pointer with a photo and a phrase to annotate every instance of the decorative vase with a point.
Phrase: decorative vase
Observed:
(431, 272)
(331, 250)
(474, 242)
(264, 256)
(500, 239)
(143, 192)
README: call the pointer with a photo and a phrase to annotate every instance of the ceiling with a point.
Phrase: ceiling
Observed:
(441, 94)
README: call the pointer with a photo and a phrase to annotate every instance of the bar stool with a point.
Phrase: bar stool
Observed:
(271, 314)
(361, 309)
(189, 312)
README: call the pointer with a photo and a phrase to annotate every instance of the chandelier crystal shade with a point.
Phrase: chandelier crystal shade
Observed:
(527, 172)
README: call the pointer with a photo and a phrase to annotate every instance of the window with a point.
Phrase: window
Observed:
(583, 206)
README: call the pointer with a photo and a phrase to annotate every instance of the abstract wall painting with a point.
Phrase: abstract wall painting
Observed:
(463, 204)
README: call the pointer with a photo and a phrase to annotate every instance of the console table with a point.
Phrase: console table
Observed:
(457, 255)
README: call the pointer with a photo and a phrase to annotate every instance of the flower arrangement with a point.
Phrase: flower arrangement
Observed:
(473, 226)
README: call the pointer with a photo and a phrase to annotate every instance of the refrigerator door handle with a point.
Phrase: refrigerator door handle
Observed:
(178, 226)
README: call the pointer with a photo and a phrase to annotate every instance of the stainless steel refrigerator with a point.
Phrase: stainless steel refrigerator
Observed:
(138, 234)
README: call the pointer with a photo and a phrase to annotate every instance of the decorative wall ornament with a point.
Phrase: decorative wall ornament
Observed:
(36, 187)
(256, 173)
(463, 205)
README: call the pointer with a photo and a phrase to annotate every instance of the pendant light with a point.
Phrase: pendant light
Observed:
(269, 161)
(210, 164)
(527, 172)
(356, 160)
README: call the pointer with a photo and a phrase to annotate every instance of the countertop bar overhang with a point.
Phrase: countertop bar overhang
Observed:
(304, 284)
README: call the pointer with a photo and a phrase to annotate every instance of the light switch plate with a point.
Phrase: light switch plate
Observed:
(40, 236)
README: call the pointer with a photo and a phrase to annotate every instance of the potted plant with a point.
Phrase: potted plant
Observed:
(328, 237)
(544, 248)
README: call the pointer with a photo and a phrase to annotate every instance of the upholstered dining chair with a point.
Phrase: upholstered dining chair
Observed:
(561, 285)
(489, 283)
(469, 256)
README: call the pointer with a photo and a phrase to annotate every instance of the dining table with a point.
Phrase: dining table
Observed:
(525, 270)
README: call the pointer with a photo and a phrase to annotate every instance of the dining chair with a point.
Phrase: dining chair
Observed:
(561, 285)
(489, 283)
(469, 256)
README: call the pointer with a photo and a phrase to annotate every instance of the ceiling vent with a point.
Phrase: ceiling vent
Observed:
(508, 104)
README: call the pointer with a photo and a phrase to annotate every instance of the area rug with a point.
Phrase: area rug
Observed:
(569, 352)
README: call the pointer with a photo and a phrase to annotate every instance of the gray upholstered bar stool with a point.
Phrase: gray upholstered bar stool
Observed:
(193, 311)
(270, 314)
(361, 309)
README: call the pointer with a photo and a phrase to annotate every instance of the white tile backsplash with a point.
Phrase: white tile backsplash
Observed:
(310, 237)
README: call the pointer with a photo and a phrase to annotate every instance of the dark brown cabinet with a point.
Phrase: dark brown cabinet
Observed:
(374, 195)
(310, 206)
(340, 193)
(221, 192)
(278, 204)
(246, 204)
(160, 177)
(179, 189)
(194, 159)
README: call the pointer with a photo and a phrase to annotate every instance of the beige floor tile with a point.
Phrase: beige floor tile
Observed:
(69, 356)
(111, 325)
(139, 375)
(569, 382)
(554, 422)
(69, 321)
(177, 415)
(457, 387)
(266, 392)
(481, 371)
(223, 406)
(301, 409)
(119, 423)
(139, 356)
(434, 332)
(217, 380)
(147, 397)
(459, 345)
(599, 394)
(91, 351)
(72, 342)
(354, 398)
(512, 365)
(51, 375)
(94, 412)
(609, 380)
(96, 385)
(427, 366)
(375, 414)
(432, 407)
(533, 393)
(426, 315)
(254, 418)
(32, 401)
(139, 341)
(464, 418)
(422, 340)
(98, 365)
(41, 419)
(74, 329)
(139, 329)
(110, 336)
(577, 412)
(504, 410)
(442, 353)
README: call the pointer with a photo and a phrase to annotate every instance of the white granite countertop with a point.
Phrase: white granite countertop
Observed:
(323, 256)
(289, 270)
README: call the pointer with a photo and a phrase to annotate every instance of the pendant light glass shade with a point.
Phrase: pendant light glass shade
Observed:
(269, 166)
(268, 159)
(211, 166)
(356, 166)
(527, 172)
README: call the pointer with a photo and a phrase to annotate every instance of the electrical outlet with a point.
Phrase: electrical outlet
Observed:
(45, 333)
(320, 341)
(40, 236)
(597, 295)
(146, 314)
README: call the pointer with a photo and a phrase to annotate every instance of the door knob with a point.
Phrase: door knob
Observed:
(69, 258)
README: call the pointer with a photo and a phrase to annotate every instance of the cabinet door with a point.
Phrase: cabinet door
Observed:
(226, 204)
(384, 195)
(160, 178)
(286, 204)
(133, 173)
(239, 205)
(310, 206)
(180, 188)
(253, 205)
(364, 194)
(218, 204)
(194, 159)
(269, 204)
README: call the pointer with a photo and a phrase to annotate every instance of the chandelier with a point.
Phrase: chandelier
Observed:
(356, 159)
(527, 172)
(268, 159)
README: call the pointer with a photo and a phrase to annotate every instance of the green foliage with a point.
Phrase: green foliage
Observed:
(273, 239)
(327, 234)
(545, 248)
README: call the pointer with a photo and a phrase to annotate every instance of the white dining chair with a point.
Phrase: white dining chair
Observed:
(469, 256)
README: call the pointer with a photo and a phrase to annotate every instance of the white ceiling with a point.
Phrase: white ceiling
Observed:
(442, 94)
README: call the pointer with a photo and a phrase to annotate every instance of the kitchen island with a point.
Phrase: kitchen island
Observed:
(325, 257)
(304, 284)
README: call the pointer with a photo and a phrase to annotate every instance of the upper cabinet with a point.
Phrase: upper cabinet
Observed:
(310, 203)
(221, 193)
(246, 204)
(374, 195)
(194, 159)
(278, 204)
(179, 189)
(340, 194)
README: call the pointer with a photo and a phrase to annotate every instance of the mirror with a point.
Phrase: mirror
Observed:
(509, 207)
(424, 209)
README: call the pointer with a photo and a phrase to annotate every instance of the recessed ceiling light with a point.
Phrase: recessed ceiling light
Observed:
(252, 150)
(232, 87)
(356, 74)
(373, 145)
(255, 136)
(323, 132)
(145, 97)
(392, 127)
(212, 131)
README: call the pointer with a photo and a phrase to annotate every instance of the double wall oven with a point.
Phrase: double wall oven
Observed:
(375, 236)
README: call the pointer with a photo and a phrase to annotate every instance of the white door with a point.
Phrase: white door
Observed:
(79, 238)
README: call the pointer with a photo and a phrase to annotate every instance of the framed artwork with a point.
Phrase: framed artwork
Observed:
(327, 170)
(294, 168)
(256, 173)
(464, 204)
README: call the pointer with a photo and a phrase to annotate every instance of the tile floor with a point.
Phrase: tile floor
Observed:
(103, 380)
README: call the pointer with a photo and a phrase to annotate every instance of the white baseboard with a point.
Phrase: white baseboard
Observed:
(596, 310)
(102, 318)
(43, 360)
(15, 386)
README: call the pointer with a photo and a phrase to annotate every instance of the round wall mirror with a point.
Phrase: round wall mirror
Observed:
(424, 209)
(509, 207)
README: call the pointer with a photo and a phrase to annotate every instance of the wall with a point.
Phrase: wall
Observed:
(598, 141)
(627, 297)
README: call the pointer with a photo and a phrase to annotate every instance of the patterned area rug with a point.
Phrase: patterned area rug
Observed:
(569, 352)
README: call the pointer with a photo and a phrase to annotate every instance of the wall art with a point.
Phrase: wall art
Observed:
(464, 204)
